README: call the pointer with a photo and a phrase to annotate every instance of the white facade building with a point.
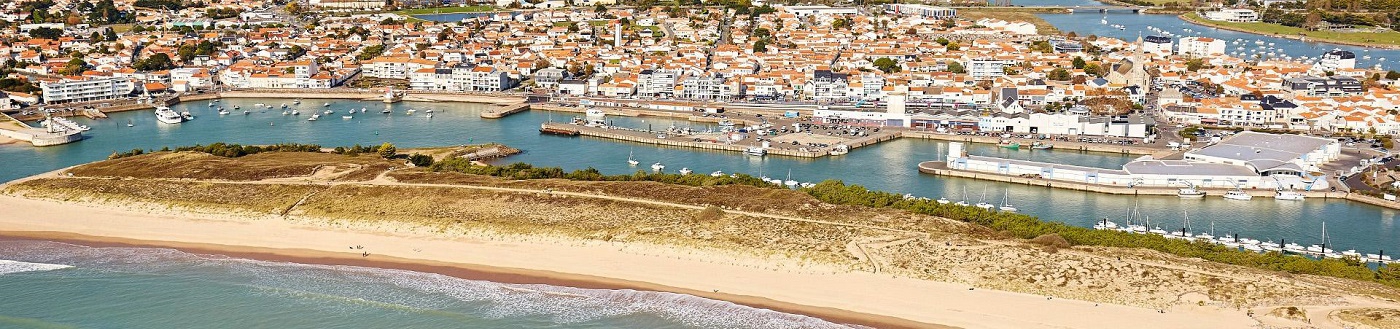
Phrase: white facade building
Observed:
(86, 90)
(1233, 15)
(1201, 46)
(985, 68)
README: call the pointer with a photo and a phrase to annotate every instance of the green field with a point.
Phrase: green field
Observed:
(446, 10)
(1387, 38)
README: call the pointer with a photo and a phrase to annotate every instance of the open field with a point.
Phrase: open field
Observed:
(731, 237)
(1388, 39)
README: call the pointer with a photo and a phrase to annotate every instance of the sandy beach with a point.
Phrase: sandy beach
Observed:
(786, 285)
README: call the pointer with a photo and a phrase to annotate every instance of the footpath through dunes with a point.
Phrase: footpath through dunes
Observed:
(875, 261)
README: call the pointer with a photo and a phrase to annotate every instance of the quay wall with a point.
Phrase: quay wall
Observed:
(940, 168)
(605, 133)
(1059, 145)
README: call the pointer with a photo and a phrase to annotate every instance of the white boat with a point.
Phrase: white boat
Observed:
(1106, 224)
(187, 115)
(329, 112)
(362, 110)
(1190, 192)
(285, 112)
(983, 203)
(685, 171)
(386, 111)
(630, 161)
(410, 111)
(756, 151)
(717, 174)
(789, 182)
(428, 111)
(313, 117)
(223, 112)
(295, 112)
(657, 166)
(430, 115)
(166, 115)
(841, 149)
(297, 102)
(346, 117)
(1288, 195)
(260, 105)
(130, 123)
(327, 105)
(943, 200)
(1006, 202)
(284, 105)
(1237, 194)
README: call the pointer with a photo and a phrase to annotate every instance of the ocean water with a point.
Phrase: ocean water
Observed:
(48, 284)
(889, 166)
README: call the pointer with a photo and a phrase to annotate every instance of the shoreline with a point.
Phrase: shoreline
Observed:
(466, 271)
(1184, 17)
(773, 282)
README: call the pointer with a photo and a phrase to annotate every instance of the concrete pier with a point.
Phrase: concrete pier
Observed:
(503, 111)
(571, 129)
(15, 129)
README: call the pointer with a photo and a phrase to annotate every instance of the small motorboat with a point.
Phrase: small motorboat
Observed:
(1238, 195)
(1288, 195)
(657, 166)
(686, 171)
(346, 117)
(717, 174)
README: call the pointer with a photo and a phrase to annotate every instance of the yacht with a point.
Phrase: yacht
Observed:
(166, 115)
(1288, 195)
(686, 171)
(1237, 194)
(1106, 224)
(1006, 202)
(657, 166)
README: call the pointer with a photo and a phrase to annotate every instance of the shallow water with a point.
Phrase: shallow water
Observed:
(71, 286)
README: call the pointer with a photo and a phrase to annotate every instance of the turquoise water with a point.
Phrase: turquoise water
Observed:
(113, 287)
(888, 166)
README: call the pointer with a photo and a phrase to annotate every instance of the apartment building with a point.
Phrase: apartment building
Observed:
(88, 89)
(460, 78)
(657, 83)
(395, 67)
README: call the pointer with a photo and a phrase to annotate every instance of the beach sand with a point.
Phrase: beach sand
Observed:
(836, 294)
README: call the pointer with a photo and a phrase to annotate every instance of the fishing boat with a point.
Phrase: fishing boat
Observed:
(685, 171)
(717, 174)
(1009, 145)
(630, 161)
(166, 115)
(1237, 194)
(1190, 192)
(1287, 195)
(1006, 202)
(657, 166)
(1042, 146)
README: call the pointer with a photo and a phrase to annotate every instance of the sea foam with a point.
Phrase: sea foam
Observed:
(14, 266)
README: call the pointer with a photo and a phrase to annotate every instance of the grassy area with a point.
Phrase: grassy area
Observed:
(1387, 38)
(1043, 27)
(120, 28)
(446, 10)
(193, 165)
